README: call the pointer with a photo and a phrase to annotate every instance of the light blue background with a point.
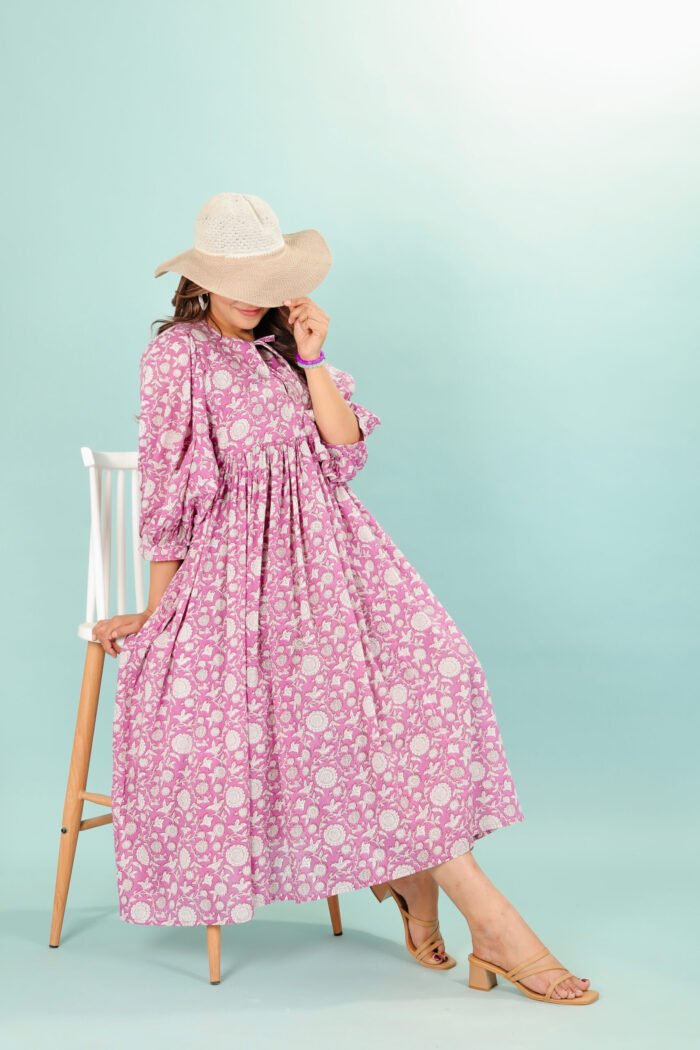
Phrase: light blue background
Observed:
(510, 193)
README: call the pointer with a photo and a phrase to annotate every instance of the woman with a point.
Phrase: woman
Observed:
(296, 714)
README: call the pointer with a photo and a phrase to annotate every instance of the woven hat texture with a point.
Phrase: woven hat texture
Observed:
(241, 252)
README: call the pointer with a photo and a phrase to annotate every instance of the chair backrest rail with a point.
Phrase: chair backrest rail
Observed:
(108, 502)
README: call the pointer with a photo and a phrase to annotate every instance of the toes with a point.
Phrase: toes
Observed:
(564, 990)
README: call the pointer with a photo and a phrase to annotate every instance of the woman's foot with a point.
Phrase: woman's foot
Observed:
(499, 933)
(506, 939)
(420, 891)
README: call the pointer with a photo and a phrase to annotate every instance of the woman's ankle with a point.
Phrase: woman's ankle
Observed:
(492, 923)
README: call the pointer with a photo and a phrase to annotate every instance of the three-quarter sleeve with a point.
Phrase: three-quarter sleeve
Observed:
(341, 463)
(178, 470)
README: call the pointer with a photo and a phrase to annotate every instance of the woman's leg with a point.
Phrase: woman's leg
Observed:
(499, 933)
(420, 892)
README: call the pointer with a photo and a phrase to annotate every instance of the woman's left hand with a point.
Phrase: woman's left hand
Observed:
(310, 326)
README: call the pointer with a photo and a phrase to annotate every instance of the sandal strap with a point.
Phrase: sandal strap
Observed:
(422, 922)
(434, 942)
(528, 970)
(515, 973)
(404, 911)
(429, 946)
(556, 981)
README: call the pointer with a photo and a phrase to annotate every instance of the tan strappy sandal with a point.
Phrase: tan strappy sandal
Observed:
(482, 976)
(434, 943)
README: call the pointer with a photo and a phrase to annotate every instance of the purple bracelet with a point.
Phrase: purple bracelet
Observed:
(313, 363)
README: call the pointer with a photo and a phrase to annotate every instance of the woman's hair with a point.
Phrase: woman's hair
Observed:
(274, 321)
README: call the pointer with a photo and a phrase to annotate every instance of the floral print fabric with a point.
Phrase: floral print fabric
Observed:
(299, 716)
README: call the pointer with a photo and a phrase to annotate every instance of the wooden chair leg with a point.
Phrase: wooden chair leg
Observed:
(214, 947)
(334, 909)
(77, 780)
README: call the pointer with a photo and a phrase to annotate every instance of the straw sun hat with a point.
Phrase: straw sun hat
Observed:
(240, 252)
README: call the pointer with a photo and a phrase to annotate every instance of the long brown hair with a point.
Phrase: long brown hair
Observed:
(274, 322)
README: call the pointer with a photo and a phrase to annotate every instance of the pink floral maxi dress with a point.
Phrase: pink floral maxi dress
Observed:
(299, 716)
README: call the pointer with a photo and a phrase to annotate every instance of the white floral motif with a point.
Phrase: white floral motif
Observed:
(449, 667)
(237, 856)
(440, 794)
(222, 379)
(238, 429)
(420, 743)
(310, 664)
(334, 834)
(317, 720)
(326, 777)
(235, 797)
(398, 694)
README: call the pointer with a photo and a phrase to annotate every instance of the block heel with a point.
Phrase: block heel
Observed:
(481, 978)
(381, 891)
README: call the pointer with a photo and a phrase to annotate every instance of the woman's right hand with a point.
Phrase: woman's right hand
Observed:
(105, 631)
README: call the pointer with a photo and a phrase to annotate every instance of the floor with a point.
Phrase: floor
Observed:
(609, 914)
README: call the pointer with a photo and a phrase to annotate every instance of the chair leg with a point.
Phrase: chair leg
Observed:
(77, 780)
(334, 909)
(214, 947)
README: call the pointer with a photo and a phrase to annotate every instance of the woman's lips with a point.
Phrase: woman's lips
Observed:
(249, 313)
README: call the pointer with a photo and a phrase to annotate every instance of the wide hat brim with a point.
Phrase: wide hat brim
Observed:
(261, 280)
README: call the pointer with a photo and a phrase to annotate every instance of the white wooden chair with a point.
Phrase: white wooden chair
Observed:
(107, 479)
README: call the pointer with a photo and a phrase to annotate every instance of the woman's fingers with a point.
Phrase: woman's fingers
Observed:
(107, 640)
(105, 631)
(304, 307)
(308, 319)
(304, 314)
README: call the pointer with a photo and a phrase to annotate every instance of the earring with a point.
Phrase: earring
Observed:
(202, 302)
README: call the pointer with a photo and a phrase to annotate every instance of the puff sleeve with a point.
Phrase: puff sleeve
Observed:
(178, 470)
(340, 463)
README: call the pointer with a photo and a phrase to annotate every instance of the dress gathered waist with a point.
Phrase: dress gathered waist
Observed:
(266, 453)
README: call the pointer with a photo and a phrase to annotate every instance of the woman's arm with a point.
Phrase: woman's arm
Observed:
(334, 417)
(161, 573)
(107, 631)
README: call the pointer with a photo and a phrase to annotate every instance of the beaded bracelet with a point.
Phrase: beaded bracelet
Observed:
(313, 363)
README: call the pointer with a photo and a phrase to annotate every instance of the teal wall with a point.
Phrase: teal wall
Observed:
(511, 195)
